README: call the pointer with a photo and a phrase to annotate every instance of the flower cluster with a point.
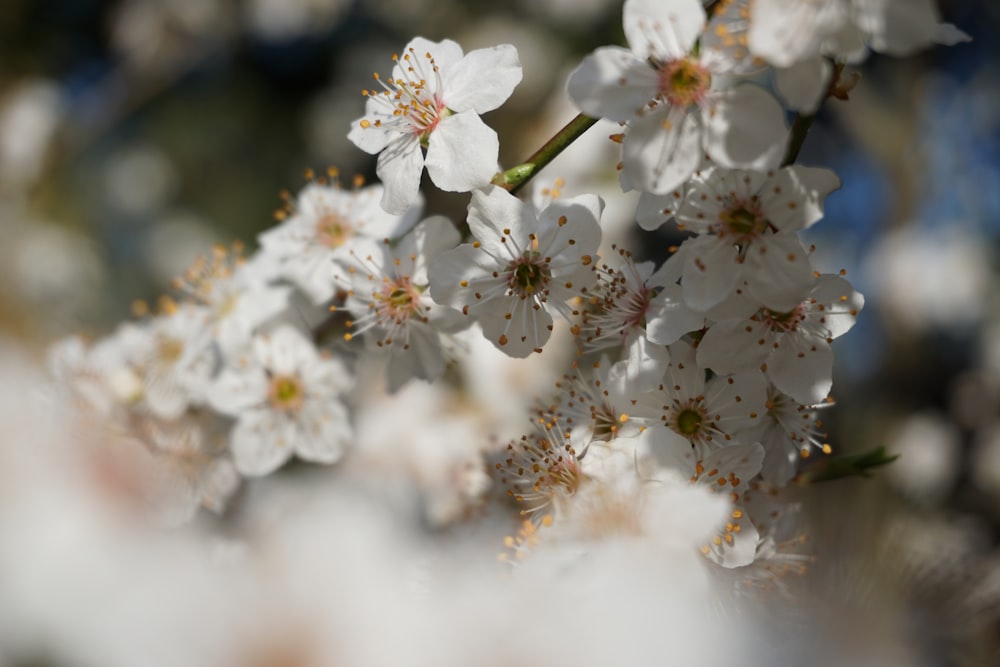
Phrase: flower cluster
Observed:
(694, 378)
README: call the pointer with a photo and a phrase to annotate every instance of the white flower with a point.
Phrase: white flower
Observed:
(521, 266)
(618, 306)
(670, 98)
(173, 357)
(286, 400)
(321, 227)
(792, 347)
(789, 432)
(189, 465)
(235, 296)
(747, 223)
(433, 101)
(785, 32)
(540, 471)
(387, 293)
(699, 413)
(596, 407)
(727, 470)
(99, 375)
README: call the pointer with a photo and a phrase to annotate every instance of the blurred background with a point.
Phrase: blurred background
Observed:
(134, 134)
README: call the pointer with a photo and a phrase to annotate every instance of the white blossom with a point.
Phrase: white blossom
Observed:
(747, 223)
(672, 100)
(521, 266)
(699, 413)
(322, 225)
(286, 400)
(433, 101)
(792, 347)
(785, 32)
(728, 470)
(387, 293)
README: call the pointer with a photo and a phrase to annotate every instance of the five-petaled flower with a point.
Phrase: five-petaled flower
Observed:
(521, 266)
(432, 102)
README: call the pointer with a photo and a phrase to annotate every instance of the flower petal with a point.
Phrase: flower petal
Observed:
(323, 432)
(836, 305)
(233, 392)
(804, 84)
(710, 271)
(734, 345)
(462, 153)
(778, 272)
(661, 150)
(494, 213)
(793, 198)
(399, 167)
(367, 136)
(259, 443)
(459, 274)
(427, 58)
(802, 368)
(570, 228)
(669, 318)
(524, 327)
(664, 30)
(612, 83)
(482, 80)
(745, 127)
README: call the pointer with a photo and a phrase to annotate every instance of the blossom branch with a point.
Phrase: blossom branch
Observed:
(839, 467)
(517, 177)
(837, 88)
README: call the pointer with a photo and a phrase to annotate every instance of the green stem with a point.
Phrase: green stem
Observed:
(802, 122)
(839, 467)
(517, 177)
(800, 128)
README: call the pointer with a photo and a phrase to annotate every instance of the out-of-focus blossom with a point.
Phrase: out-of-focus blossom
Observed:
(929, 279)
(140, 181)
(282, 20)
(30, 113)
(787, 31)
(929, 457)
(286, 401)
(49, 270)
(322, 225)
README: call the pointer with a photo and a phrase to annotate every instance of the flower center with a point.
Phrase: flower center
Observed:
(782, 322)
(606, 423)
(398, 300)
(332, 230)
(285, 393)
(409, 102)
(169, 350)
(683, 82)
(689, 421)
(226, 304)
(539, 471)
(526, 276)
(743, 222)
